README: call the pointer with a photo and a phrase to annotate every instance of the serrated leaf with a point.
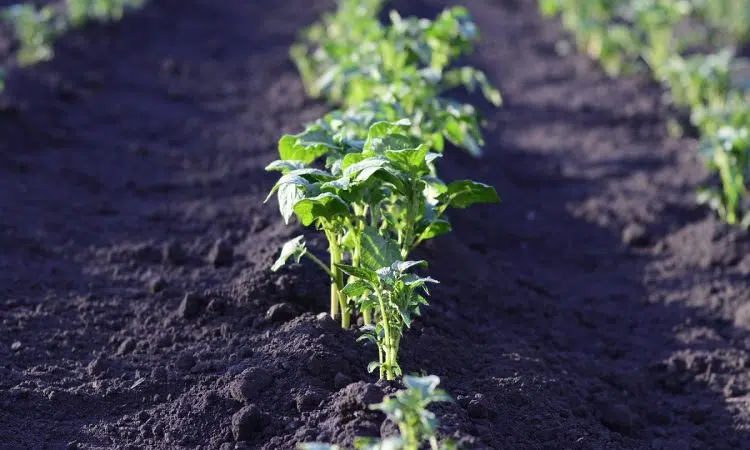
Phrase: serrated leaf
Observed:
(294, 248)
(325, 205)
(377, 251)
(464, 193)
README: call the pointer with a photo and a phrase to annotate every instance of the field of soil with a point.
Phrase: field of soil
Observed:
(597, 307)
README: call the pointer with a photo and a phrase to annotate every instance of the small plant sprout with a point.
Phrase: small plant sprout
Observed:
(393, 296)
(417, 425)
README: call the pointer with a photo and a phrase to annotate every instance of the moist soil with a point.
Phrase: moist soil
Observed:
(597, 307)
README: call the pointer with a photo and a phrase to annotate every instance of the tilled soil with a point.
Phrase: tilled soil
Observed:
(597, 307)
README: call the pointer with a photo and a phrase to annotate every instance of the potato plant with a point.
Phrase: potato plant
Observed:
(664, 34)
(728, 154)
(417, 425)
(365, 175)
(37, 28)
(395, 296)
(376, 200)
(350, 58)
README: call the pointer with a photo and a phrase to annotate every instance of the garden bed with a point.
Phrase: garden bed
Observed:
(596, 307)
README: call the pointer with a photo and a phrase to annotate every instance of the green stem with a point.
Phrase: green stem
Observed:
(382, 362)
(338, 299)
(388, 342)
(411, 214)
(320, 263)
(730, 192)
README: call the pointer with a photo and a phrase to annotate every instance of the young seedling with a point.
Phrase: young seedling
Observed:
(417, 425)
(394, 296)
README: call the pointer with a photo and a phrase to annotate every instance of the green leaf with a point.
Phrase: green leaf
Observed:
(403, 266)
(285, 166)
(312, 174)
(291, 189)
(365, 169)
(359, 272)
(379, 130)
(294, 248)
(411, 160)
(424, 385)
(464, 193)
(357, 288)
(377, 251)
(306, 146)
(387, 274)
(374, 365)
(325, 205)
(435, 229)
(351, 159)
(368, 164)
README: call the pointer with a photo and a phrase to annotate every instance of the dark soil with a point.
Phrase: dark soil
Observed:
(597, 307)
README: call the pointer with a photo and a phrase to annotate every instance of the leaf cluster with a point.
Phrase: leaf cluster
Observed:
(417, 425)
(351, 58)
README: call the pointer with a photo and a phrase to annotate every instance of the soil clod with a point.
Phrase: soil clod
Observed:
(191, 305)
(247, 422)
(281, 312)
(249, 384)
(221, 254)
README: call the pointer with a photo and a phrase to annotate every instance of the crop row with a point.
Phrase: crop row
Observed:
(37, 28)
(690, 47)
(365, 175)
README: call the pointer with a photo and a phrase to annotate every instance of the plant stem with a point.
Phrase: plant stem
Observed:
(320, 263)
(338, 299)
(411, 213)
(387, 347)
